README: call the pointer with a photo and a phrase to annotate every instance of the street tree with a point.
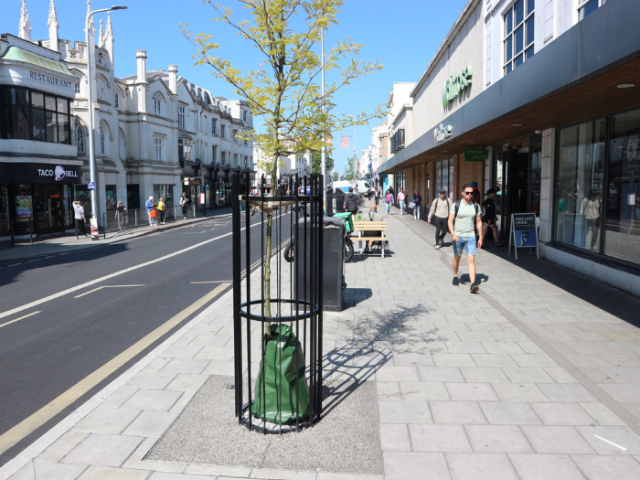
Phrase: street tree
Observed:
(350, 169)
(284, 88)
(316, 163)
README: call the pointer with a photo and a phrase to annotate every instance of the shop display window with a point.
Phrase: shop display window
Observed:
(165, 192)
(111, 197)
(579, 203)
(622, 228)
(444, 176)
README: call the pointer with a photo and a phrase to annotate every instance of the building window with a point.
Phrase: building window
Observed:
(27, 114)
(622, 232)
(246, 162)
(184, 149)
(444, 176)
(587, 7)
(235, 159)
(158, 148)
(234, 135)
(223, 131)
(165, 192)
(181, 117)
(195, 121)
(116, 100)
(244, 116)
(157, 106)
(223, 160)
(519, 32)
(103, 143)
(79, 137)
(214, 126)
(214, 154)
(78, 87)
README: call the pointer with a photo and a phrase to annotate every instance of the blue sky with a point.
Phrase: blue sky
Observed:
(402, 34)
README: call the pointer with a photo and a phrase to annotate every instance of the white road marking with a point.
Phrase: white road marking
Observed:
(49, 257)
(610, 442)
(106, 286)
(46, 413)
(15, 264)
(111, 275)
(21, 318)
(34, 260)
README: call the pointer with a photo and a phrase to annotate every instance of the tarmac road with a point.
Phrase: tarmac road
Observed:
(69, 324)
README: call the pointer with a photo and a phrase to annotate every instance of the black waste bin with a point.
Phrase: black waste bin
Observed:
(335, 203)
(333, 283)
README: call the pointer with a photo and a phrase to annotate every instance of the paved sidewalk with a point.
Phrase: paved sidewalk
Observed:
(68, 243)
(535, 378)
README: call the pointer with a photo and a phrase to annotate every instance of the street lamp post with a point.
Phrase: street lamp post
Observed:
(92, 157)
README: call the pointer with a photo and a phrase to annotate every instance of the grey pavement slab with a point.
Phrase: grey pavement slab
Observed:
(605, 467)
(548, 439)
(439, 438)
(509, 413)
(479, 466)
(459, 413)
(106, 450)
(412, 466)
(497, 439)
(545, 467)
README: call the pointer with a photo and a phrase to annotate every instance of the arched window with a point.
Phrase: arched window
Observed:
(103, 143)
(79, 137)
(116, 100)
(157, 106)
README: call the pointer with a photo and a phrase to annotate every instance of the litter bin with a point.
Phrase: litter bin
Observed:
(333, 283)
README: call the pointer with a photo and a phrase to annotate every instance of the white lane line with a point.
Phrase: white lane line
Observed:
(15, 264)
(21, 318)
(34, 260)
(610, 442)
(106, 286)
(62, 254)
(112, 275)
(51, 256)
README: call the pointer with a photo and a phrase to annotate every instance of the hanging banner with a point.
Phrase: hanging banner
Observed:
(523, 232)
(344, 141)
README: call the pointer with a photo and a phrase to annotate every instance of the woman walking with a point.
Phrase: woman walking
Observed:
(121, 212)
(402, 200)
(388, 200)
(417, 201)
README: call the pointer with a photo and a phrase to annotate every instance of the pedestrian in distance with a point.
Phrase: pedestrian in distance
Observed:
(183, 203)
(489, 218)
(161, 210)
(464, 218)
(149, 205)
(417, 203)
(121, 215)
(439, 216)
(373, 209)
(388, 200)
(350, 204)
(78, 213)
(377, 195)
(476, 192)
(402, 199)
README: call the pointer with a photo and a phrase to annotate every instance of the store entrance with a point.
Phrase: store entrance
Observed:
(51, 209)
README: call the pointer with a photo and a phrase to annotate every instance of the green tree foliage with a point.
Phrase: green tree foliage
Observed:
(316, 163)
(284, 88)
(335, 177)
(350, 169)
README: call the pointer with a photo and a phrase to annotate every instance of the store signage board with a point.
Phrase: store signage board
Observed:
(442, 132)
(91, 186)
(474, 154)
(457, 83)
(523, 232)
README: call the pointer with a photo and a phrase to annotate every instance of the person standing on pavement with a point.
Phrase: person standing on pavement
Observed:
(465, 216)
(476, 192)
(388, 200)
(402, 199)
(161, 210)
(350, 204)
(439, 216)
(183, 204)
(78, 212)
(121, 213)
(489, 217)
(150, 206)
(417, 201)
(377, 195)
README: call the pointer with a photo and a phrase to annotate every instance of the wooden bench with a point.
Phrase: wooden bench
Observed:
(379, 227)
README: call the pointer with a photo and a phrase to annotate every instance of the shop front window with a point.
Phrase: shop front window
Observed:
(444, 176)
(4, 211)
(622, 227)
(580, 184)
(165, 192)
(111, 197)
(84, 197)
(24, 203)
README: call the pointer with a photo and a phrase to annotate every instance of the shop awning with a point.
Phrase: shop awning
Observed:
(573, 79)
(22, 55)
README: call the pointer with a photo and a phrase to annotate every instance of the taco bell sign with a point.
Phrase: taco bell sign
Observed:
(59, 173)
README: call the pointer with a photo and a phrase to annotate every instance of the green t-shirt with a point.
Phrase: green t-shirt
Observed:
(464, 224)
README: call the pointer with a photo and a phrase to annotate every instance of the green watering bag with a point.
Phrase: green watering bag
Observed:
(276, 392)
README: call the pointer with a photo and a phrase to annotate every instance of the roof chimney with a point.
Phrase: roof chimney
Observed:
(141, 55)
(173, 79)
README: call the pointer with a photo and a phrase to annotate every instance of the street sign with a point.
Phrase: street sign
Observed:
(474, 154)
(523, 232)
(91, 186)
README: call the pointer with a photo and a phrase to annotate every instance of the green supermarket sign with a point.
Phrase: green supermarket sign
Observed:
(457, 84)
(474, 154)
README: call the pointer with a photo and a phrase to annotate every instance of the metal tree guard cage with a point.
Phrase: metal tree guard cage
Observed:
(274, 398)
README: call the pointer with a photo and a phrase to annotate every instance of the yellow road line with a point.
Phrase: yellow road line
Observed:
(21, 318)
(46, 413)
(106, 286)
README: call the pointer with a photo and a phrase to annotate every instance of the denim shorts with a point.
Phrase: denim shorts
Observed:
(467, 244)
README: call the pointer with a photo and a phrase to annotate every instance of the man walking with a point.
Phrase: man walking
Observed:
(439, 216)
(489, 217)
(464, 218)
(79, 217)
(350, 204)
